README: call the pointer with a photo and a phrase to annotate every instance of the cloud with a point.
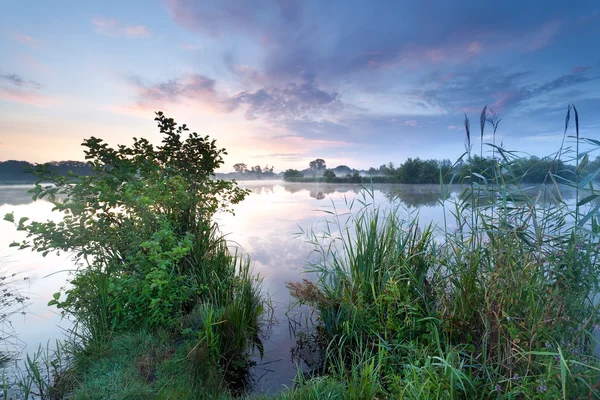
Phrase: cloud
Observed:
(15, 88)
(579, 69)
(114, 28)
(273, 104)
(300, 40)
(469, 89)
(291, 102)
(283, 156)
(412, 122)
(29, 97)
(544, 36)
(190, 47)
(16, 80)
(24, 39)
(219, 16)
(191, 88)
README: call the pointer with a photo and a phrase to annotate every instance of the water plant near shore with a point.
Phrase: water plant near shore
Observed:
(500, 302)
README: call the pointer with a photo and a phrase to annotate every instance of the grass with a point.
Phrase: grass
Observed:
(12, 302)
(204, 353)
(502, 306)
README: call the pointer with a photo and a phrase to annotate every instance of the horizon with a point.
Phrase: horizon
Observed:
(282, 82)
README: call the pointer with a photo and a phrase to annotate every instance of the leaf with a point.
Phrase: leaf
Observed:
(10, 217)
(588, 179)
(589, 215)
(567, 118)
(587, 199)
(584, 163)
(576, 121)
(14, 244)
(480, 177)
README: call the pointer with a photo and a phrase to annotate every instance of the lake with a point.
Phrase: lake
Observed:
(265, 226)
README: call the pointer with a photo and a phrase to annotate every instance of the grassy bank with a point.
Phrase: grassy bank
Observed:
(500, 302)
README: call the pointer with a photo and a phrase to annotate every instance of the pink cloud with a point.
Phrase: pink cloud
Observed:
(25, 39)
(412, 122)
(189, 47)
(17, 95)
(456, 127)
(470, 109)
(189, 91)
(580, 68)
(435, 55)
(544, 36)
(114, 28)
(138, 31)
(474, 48)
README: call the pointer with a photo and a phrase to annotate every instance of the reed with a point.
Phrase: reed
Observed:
(502, 306)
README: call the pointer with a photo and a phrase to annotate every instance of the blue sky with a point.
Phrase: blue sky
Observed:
(282, 82)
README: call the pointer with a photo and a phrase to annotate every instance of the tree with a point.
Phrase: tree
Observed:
(329, 175)
(140, 224)
(354, 178)
(292, 174)
(317, 165)
(240, 168)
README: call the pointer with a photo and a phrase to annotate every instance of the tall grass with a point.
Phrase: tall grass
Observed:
(12, 302)
(505, 305)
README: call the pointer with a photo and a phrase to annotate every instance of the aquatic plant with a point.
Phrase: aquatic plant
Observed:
(500, 301)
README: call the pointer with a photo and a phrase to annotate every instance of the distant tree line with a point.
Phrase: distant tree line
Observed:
(416, 170)
(256, 172)
(20, 171)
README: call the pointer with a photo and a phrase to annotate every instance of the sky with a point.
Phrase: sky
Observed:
(282, 82)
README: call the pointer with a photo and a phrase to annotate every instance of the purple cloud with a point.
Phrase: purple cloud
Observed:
(16, 80)
(290, 102)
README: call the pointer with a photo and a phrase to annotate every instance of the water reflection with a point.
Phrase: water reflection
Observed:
(15, 194)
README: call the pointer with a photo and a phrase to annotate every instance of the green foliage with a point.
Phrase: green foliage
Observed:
(292, 173)
(133, 223)
(141, 229)
(329, 175)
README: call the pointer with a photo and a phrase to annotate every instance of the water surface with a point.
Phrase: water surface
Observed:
(266, 226)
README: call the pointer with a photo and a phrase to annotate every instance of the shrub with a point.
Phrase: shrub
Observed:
(133, 225)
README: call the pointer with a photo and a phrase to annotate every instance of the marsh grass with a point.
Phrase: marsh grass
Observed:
(12, 302)
(502, 306)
